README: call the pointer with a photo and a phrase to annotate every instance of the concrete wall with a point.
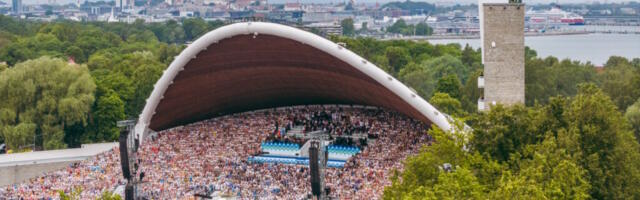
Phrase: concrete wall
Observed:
(21, 173)
(503, 62)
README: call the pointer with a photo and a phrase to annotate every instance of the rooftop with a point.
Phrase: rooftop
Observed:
(87, 150)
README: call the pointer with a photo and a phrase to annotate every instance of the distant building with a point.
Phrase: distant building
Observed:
(124, 4)
(502, 32)
(324, 29)
(628, 11)
(292, 7)
(16, 6)
(216, 2)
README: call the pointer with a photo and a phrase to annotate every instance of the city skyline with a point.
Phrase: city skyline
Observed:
(32, 2)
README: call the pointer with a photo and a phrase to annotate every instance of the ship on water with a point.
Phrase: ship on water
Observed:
(553, 16)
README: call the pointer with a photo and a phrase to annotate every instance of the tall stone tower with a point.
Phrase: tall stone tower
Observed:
(502, 35)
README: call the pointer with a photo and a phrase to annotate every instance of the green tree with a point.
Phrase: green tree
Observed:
(62, 31)
(76, 53)
(414, 7)
(145, 36)
(423, 29)
(347, 27)
(539, 81)
(553, 170)
(122, 85)
(3, 66)
(451, 85)
(48, 94)
(517, 187)
(398, 57)
(504, 131)
(471, 58)
(106, 195)
(445, 65)
(169, 32)
(458, 184)
(425, 178)
(215, 24)
(621, 81)
(75, 194)
(423, 77)
(608, 149)
(418, 77)
(92, 40)
(364, 27)
(398, 27)
(549, 77)
(18, 27)
(18, 136)
(447, 104)
(131, 76)
(471, 93)
(529, 53)
(147, 72)
(194, 28)
(106, 112)
(31, 47)
(633, 115)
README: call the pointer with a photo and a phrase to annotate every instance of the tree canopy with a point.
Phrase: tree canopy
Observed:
(401, 27)
(42, 98)
(633, 115)
(571, 148)
(414, 7)
(347, 27)
(118, 62)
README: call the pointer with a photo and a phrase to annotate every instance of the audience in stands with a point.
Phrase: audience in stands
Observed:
(89, 177)
(210, 158)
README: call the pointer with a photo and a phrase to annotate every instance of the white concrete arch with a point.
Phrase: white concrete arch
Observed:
(320, 43)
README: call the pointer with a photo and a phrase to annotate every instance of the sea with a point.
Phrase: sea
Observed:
(594, 48)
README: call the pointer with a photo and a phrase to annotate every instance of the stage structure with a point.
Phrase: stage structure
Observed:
(128, 157)
(255, 65)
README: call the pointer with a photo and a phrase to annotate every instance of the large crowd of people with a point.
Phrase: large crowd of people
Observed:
(88, 179)
(210, 157)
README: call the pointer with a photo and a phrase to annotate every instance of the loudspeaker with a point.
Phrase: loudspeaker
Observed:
(128, 192)
(124, 155)
(316, 188)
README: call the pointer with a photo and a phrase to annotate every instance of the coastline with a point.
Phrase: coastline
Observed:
(526, 34)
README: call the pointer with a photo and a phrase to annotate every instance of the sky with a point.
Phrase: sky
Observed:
(372, 1)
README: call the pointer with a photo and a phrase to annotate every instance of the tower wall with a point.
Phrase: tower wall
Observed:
(503, 55)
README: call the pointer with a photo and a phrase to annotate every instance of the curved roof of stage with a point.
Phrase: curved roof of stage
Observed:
(248, 66)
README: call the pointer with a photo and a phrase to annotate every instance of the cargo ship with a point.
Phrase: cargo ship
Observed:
(554, 15)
